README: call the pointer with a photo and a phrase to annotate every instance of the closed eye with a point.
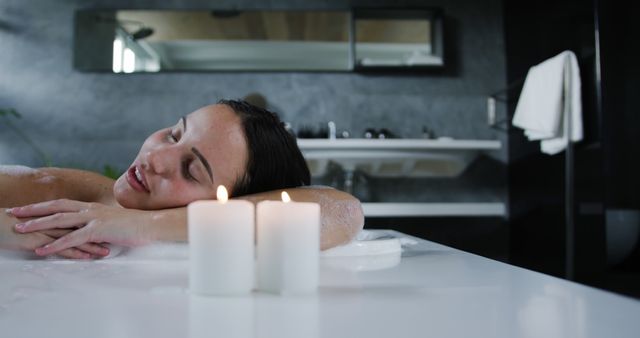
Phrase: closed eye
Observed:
(172, 137)
(185, 171)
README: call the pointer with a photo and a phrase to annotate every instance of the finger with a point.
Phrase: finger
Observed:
(48, 208)
(59, 220)
(73, 253)
(94, 249)
(73, 239)
(56, 233)
(34, 240)
(90, 250)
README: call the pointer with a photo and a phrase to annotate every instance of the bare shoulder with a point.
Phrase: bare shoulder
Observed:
(24, 185)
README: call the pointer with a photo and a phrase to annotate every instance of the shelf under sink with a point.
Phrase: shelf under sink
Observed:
(394, 157)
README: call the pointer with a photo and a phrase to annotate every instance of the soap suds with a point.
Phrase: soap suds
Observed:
(339, 225)
(46, 179)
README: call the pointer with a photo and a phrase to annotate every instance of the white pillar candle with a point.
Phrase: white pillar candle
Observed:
(221, 246)
(288, 245)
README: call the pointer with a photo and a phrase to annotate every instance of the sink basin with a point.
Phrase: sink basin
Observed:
(394, 157)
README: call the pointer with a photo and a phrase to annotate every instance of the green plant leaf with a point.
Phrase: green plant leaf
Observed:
(110, 172)
(10, 111)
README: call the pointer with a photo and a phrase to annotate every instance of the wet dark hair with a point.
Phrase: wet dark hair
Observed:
(275, 161)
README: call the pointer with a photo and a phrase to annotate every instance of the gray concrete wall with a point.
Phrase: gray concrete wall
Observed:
(90, 120)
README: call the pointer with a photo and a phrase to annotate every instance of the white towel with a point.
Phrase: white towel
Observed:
(540, 109)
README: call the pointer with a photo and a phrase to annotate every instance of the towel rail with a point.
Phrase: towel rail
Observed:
(569, 184)
(569, 176)
(502, 95)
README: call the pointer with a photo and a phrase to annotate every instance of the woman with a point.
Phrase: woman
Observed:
(233, 143)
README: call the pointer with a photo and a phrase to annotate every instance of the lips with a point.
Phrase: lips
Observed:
(136, 179)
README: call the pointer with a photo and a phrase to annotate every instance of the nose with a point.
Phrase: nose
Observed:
(161, 160)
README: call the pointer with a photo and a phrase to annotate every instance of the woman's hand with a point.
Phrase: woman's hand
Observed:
(94, 223)
(9, 239)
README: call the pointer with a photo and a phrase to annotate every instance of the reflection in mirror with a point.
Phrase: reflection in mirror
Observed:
(158, 40)
(397, 38)
(128, 41)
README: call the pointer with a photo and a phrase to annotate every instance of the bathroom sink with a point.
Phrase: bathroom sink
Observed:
(443, 157)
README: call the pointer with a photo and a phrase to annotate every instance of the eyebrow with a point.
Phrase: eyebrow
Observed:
(197, 153)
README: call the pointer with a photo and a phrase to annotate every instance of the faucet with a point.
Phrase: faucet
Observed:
(427, 133)
(332, 130)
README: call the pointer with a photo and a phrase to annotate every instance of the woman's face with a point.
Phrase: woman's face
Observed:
(186, 162)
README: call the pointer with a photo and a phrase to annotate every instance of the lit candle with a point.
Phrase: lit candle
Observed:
(288, 245)
(221, 246)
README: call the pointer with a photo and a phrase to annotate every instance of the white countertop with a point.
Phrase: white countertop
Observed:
(397, 144)
(432, 291)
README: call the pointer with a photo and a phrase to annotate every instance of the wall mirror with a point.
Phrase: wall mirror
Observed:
(397, 38)
(130, 41)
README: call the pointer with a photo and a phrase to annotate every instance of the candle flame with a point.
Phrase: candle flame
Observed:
(222, 194)
(285, 197)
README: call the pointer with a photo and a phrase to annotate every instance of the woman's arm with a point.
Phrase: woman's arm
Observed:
(341, 214)
(341, 219)
(20, 185)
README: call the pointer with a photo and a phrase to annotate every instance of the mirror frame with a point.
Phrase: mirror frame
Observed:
(434, 15)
